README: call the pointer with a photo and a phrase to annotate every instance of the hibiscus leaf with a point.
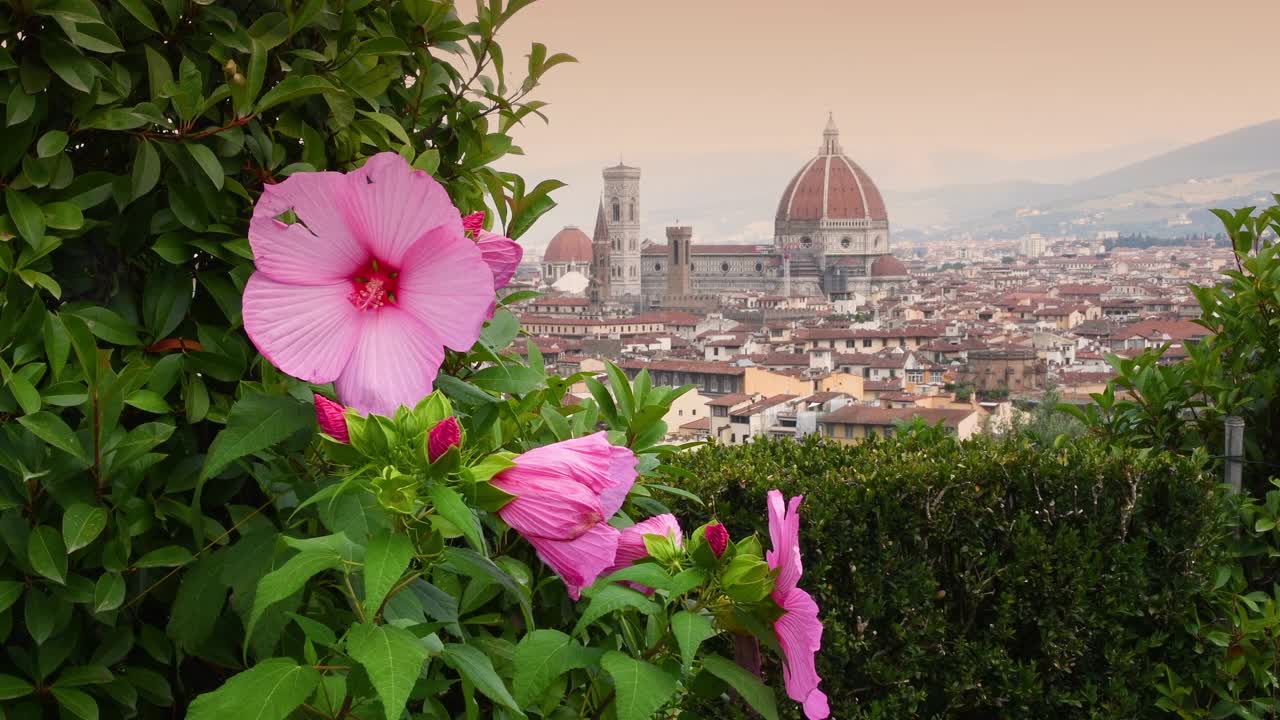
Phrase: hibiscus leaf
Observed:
(270, 690)
(385, 560)
(449, 505)
(758, 695)
(541, 657)
(256, 422)
(392, 657)
(641, 688)
(611, 598)
(476, 668)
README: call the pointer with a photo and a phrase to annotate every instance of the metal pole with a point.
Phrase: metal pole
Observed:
(1234, 452)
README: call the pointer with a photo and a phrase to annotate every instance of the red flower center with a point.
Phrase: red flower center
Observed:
(374, 286)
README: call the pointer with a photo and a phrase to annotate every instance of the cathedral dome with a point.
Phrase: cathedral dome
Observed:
(570, 245)
(831, 186)
(888, 266)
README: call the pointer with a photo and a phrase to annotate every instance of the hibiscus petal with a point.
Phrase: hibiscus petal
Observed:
(631, 547)
(784, 534)
(308, 331)
(394, 363)
(320, 248)
(502, 254)
(815, 706)
(579, 561)
(389, 205)
(445, 283)
(800, 635)
(547, 506)
(607, 469)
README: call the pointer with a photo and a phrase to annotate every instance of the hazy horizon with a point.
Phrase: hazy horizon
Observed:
(719, 102)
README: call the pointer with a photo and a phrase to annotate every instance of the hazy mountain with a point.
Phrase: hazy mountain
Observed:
(1168, 185)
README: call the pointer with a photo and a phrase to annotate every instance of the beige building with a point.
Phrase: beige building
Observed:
(855, 423)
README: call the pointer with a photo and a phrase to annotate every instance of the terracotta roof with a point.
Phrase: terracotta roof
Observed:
(1162, 330)
(729, 400)
(888, 266)
(831, 186)
(689, 366)
(764, 404)
(866, 415)
(699, 424)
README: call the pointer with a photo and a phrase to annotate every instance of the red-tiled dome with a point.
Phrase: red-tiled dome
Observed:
(831, 186)
(570, 245)
(888, 266)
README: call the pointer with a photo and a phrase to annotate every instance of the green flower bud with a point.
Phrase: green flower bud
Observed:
(747, 579)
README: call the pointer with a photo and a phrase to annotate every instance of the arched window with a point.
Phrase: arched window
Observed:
(633, 211)
(617, 210)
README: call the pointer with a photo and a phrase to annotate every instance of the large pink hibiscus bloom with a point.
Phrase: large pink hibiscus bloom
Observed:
(369, 286)
(799, 631)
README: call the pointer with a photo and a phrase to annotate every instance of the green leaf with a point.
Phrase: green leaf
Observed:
(51, 143)
(385, 560)
(26, 216)
(611, 598)
(19, 106)
(140, 13)
(169, 556)
(390, 124)
(200, 598)
(108, 592)
(47, 554)
(68, 64)
(294, 87)
(149, 401)
(208, 162)
(541, 657)
(25, 393)
(476, 668)
(84, 675)
(288, 579)
(82, 524)
(449, 505)
(256, 423)
(10, 591)
(63, 216)
(758, 695)
(690, 629)
(514, 379)
(77, 703)
(14, 687)
(51, 429)
(270, 690)
(109, 326)
(392, 657)
(146, 169)
(165, 301)
(641, 688)
(466, 561)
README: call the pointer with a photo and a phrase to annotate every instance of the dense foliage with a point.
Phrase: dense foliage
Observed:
(176, 539)
(1181, 406)
(986, 578)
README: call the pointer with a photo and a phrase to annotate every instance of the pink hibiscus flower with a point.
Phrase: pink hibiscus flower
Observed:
(799, 631)
(502, 253)
(565, 494)
(631, 547)
(443, 436)
(369, 286)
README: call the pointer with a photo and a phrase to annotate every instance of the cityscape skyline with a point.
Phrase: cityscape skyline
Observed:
(1096, 87)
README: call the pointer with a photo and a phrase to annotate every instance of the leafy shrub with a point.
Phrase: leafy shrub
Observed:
(986, 579)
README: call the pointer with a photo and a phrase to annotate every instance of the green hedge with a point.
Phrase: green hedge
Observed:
(984, 579)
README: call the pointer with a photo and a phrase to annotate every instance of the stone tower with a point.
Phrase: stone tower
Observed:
(621, 205)
(679, 261)
(601, 260)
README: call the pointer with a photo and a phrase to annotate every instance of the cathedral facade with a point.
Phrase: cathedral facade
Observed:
(831, 238)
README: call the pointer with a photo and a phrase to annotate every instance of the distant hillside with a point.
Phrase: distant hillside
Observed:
(1233, 165)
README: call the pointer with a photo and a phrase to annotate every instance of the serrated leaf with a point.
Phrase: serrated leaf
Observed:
(386, 558)
(611, 598)
(476, 668)
(541, 657)
(449, 505)
(47, 554)
(758, 695)
(256, 422)
(82, 524)
(270, 690)
(690, 630)
(199, 601)
(641, 688)
(288, 579)
(393, 659)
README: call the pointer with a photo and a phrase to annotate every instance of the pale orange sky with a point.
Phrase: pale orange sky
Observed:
(718, 101)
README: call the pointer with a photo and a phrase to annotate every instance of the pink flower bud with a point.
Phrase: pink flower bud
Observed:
(474, 222)
(330, 416)
(443, 436)
(717, 538)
